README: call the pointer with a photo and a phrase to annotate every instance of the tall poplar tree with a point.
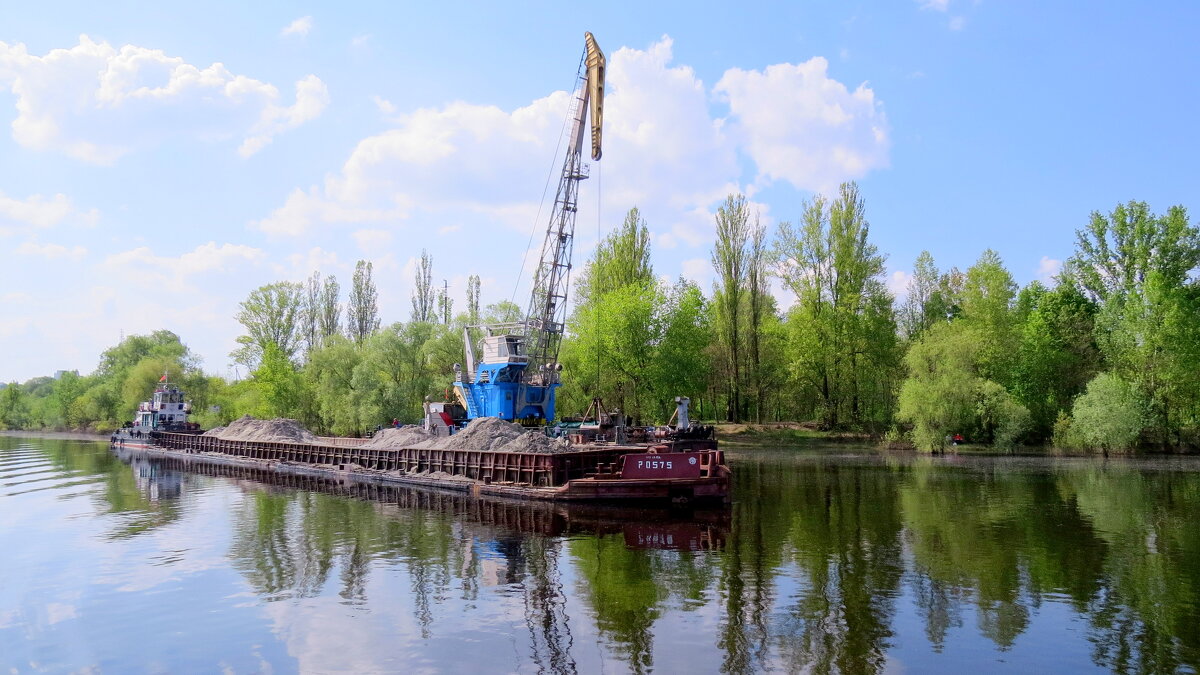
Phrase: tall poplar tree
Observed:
(422, 295)
(330, 312)
(473, 299)
(362, 311)
(730, 259)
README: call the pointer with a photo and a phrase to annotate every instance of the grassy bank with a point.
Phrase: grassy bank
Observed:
(787, 434)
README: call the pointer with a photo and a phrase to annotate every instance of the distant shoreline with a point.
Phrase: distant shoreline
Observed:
(62, 435)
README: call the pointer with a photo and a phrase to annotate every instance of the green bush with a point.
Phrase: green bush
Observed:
(1109, 416)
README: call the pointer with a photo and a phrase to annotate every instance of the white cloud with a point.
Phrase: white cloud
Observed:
(303, 209)
(96, 103)
(449, 229)
(39, 212)
(311, 98)
(897, 283)
(51, 251)
(359, 41)
(474, 164)
(801, 126)
(299, 27)
(935, 5)
(142, 265)
(958, 23)
(372, 241)
(1048, 269)
(699, 270)
(385, 106)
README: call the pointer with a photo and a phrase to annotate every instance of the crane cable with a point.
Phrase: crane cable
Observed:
(596, 256)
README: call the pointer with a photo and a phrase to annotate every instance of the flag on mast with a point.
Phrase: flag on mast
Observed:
(163, 378)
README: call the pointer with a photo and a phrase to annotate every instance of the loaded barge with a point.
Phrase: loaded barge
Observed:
(682, 466)
(591, 473)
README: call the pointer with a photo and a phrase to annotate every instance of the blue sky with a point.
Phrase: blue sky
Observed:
(155, 171)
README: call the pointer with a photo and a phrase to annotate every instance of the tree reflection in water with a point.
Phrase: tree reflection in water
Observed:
(807, 571)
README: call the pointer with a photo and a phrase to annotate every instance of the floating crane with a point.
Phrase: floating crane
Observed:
(517, 373)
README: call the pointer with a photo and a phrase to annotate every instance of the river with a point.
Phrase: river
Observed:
(827, 561)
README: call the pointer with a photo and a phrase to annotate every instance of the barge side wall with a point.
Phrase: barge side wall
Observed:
(539, 470)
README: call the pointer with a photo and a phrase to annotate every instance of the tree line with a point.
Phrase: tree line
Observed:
(1102, 358)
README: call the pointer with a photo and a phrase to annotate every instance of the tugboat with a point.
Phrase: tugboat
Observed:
(167, 410)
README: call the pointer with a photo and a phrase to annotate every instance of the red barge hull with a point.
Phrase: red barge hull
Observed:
(688, 472)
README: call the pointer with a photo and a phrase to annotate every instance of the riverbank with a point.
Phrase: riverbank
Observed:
(788, 434)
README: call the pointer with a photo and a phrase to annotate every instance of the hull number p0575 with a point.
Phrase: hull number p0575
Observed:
(654, 464)
(661, 465)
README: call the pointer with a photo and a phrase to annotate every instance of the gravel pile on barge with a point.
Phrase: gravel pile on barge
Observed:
(280, 430)
(486, 434)
(406, 437)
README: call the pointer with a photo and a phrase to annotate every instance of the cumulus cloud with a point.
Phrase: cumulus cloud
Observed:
(299, 27)
(95, 102)
(467, 164)
(898, 282)
(371, 241)
(51, 251)
(670, 149)
(39, 212)
(143, 266)
(1048, 269)
(802, 126)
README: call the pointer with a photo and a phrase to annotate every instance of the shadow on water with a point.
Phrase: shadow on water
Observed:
(853, 563)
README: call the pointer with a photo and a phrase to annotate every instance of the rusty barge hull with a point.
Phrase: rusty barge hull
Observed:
(591, 474)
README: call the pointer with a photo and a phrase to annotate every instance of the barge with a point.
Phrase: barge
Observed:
(681, 466)
(696, 529)
(627, 473)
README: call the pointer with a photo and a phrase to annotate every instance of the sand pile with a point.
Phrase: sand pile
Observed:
(536, 441)
(485, 434)
(490, 434)
(274, 431)
(406, 437)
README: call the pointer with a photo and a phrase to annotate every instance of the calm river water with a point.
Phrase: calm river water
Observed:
(824, 563)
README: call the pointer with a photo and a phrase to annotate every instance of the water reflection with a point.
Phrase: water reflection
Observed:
(823, 564)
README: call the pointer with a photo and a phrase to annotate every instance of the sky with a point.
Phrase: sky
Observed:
(158, 163)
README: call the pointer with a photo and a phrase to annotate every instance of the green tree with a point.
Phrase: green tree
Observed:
(1110, 415)
(330, 312)
(946, 394)
(938, 398)
(988, 293)
(362, 310)
(924, 305)
(1057, 353)
(279, 383)
(843, 324)
(622, 258)
(330, 376)
(1140, 267)
(729, 259)
(473, 299)
(310, 316)
(270, 316)
(422, 294)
